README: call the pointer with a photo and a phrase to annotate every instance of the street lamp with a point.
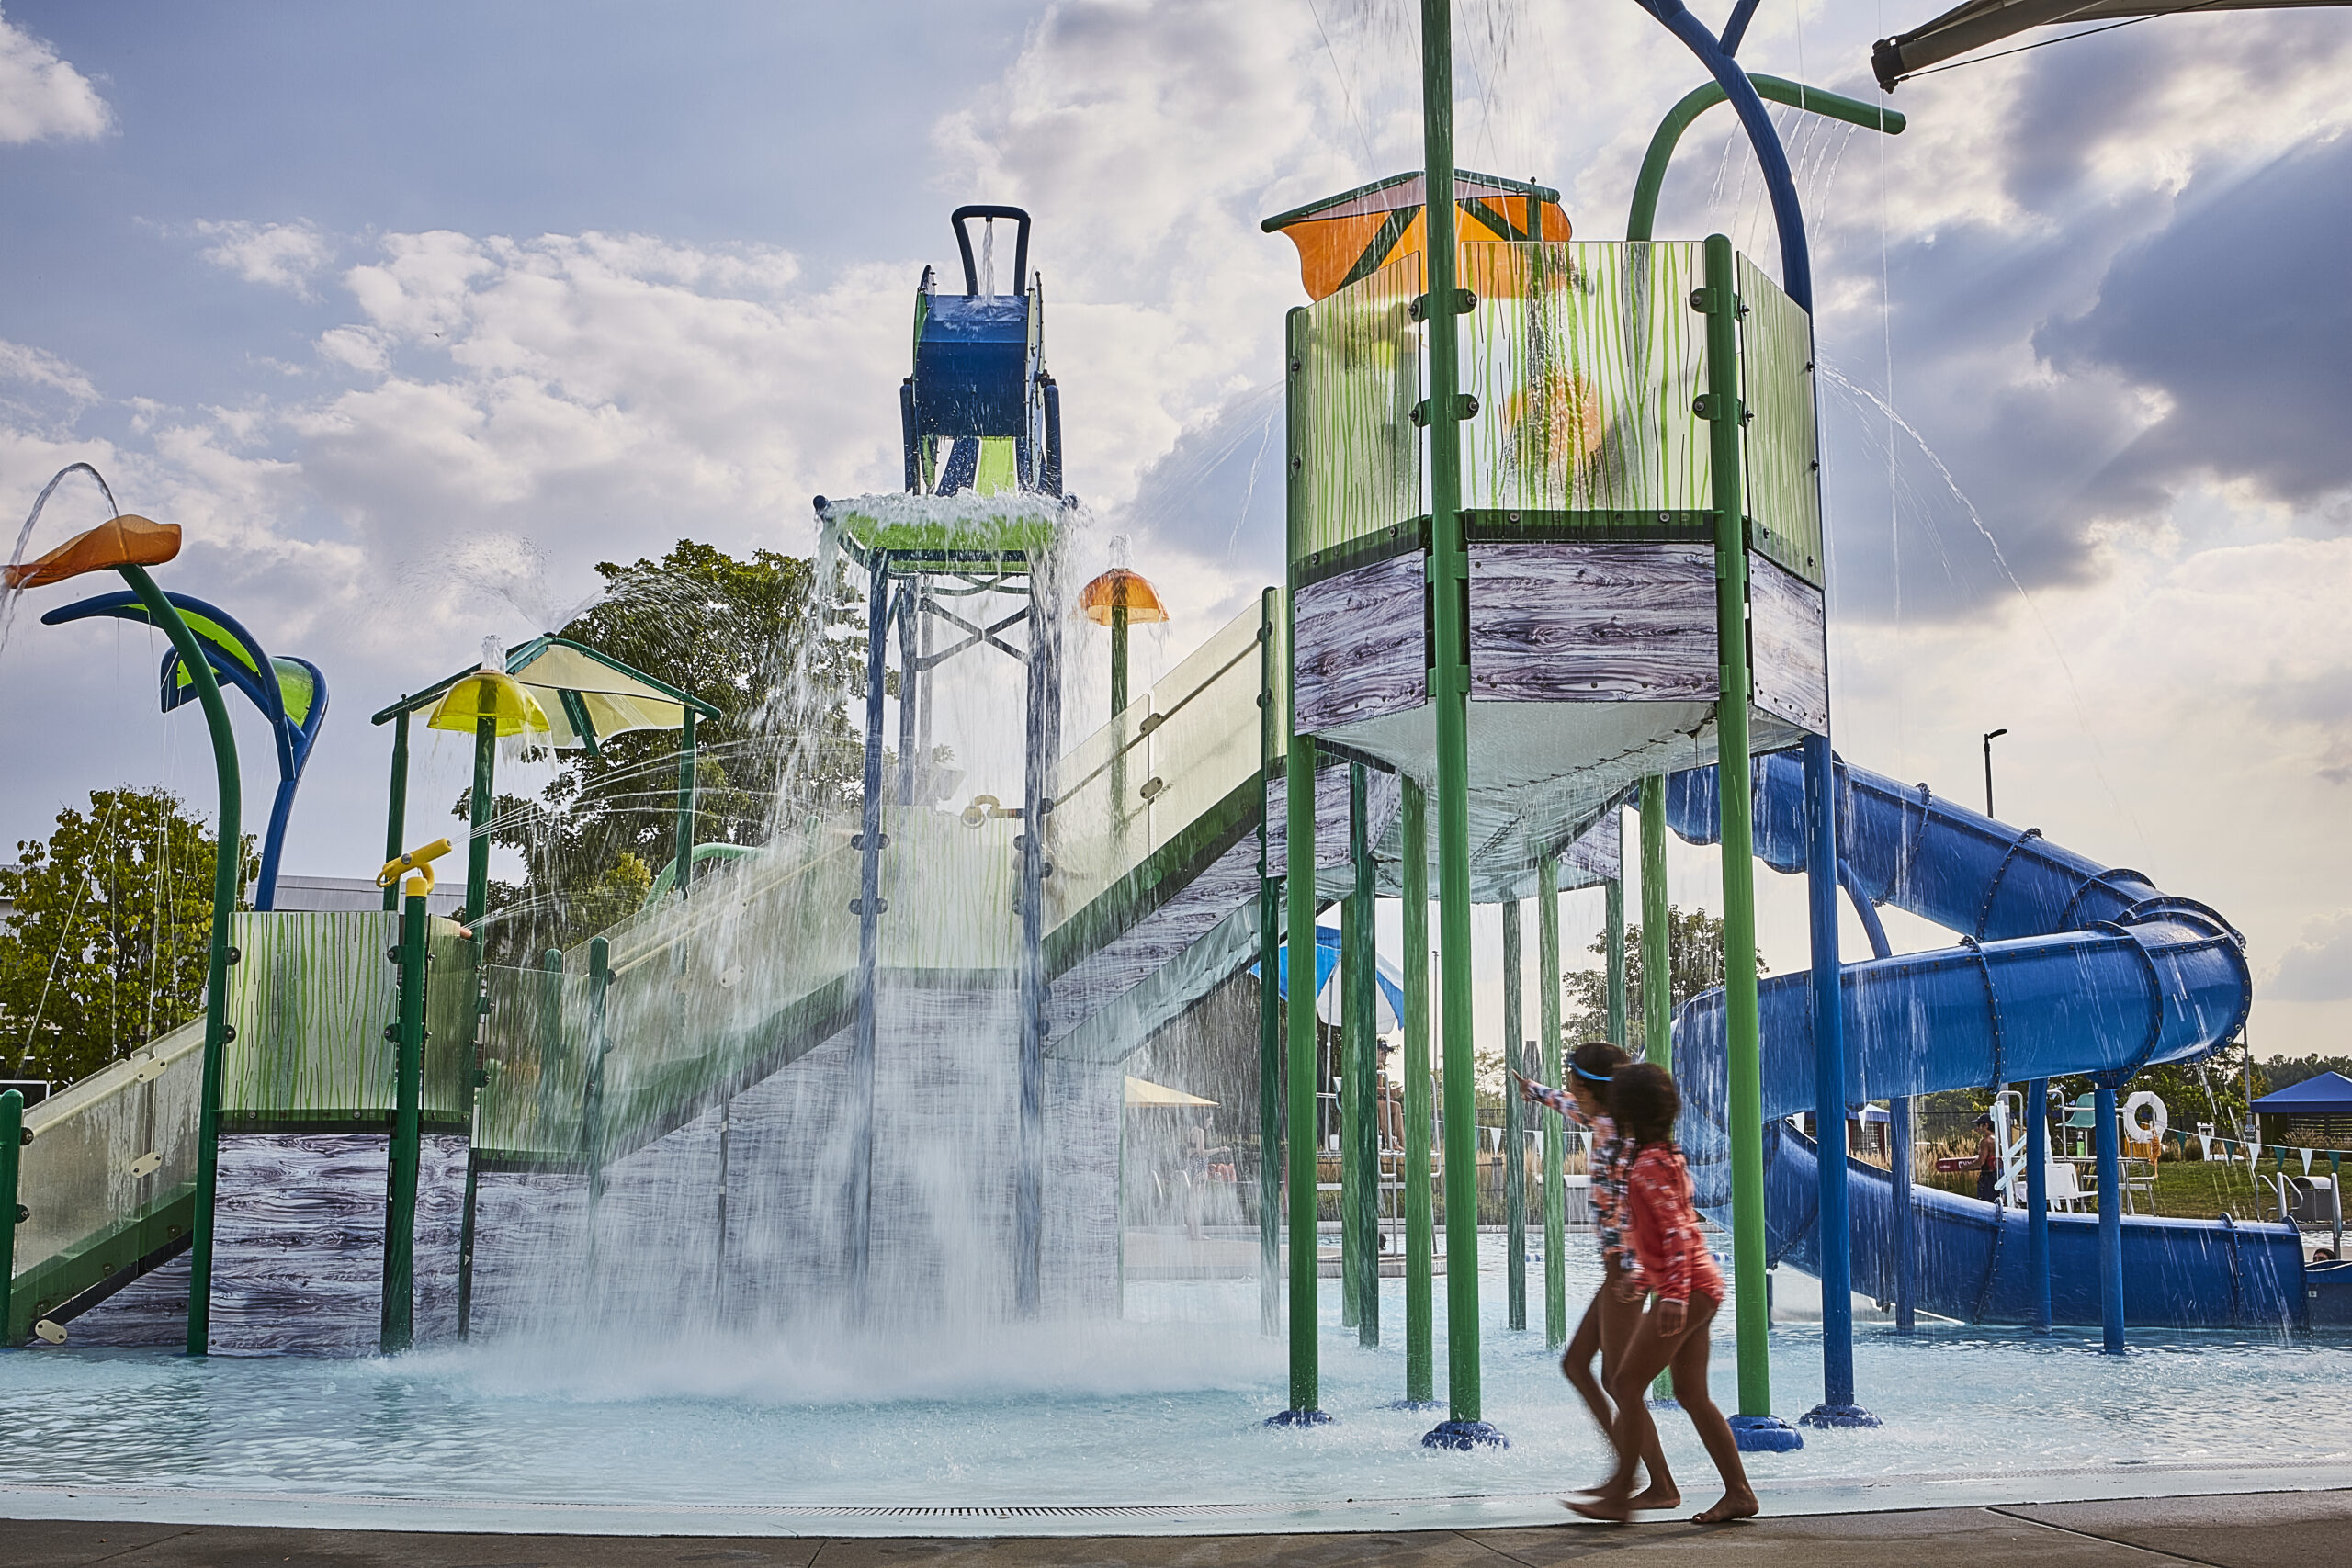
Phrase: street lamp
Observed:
(128, 544)
(1990, 736)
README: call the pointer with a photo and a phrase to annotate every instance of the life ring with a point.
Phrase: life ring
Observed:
(2146, 1118)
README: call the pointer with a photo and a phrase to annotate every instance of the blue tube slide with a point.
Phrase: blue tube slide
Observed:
(2064, 966)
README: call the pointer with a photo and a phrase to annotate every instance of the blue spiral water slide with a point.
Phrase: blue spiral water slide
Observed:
(2064, 966)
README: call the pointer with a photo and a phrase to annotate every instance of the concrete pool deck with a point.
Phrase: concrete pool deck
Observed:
(2264, 1529)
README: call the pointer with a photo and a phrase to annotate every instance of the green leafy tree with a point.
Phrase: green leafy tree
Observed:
(106, 949)
(753, 637)
(1694, 949)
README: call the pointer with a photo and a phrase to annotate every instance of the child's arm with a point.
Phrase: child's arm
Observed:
(1550, 1098)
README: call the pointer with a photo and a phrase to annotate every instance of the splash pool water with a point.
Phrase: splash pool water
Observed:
(1146, 1425)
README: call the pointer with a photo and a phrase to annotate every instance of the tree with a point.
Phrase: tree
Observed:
(1694, 948)
(754, 639)
(108, 946)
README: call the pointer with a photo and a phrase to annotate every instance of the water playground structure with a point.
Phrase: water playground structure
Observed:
(1555, 548)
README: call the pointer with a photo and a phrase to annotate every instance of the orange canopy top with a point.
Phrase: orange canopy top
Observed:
(1119, 588)
(1357, 232)
(127, 540)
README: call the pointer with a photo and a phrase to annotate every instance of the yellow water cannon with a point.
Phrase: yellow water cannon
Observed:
(419, 861)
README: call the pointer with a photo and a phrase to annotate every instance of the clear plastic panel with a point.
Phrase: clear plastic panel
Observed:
(1360, 377)
(703, 988)
(110, 1149)
(1584, 358)
(1132, 788)
(1777, 384)
(310, 997)
(452, 1020)
(527, 1107)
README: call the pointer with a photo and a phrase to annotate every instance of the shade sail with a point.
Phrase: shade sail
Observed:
(1389, 995)
(1352, 235)
(1141, 1091)
(2329, 1094)
(1982, 22)
(583, 697)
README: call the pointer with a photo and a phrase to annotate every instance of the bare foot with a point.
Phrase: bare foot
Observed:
(1659, 1495)
(1608, 1510)
(1733, 1505)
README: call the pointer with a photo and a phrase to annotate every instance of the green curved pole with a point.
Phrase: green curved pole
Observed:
(667, 877)
(225, 868)
(1699, 101)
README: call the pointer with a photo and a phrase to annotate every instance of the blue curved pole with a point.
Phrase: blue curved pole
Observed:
(1772, 158)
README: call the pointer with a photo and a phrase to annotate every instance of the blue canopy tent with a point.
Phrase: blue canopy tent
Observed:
(2327, 1094)
(1388, 982)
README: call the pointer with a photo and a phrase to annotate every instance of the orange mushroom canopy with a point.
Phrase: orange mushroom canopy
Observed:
(1121, 589)
(1352, 235)
(126, 540)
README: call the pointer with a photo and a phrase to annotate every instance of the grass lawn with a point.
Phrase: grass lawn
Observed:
(2188, 1189)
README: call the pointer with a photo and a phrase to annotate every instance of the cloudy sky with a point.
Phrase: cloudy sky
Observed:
(410, 316)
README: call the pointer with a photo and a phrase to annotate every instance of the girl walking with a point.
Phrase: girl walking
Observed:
(1663, 1231)
(1610, 1320)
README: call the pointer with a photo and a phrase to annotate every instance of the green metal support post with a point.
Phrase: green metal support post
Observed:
(399, 1325)
(1658, 954)
(1755, 1422)
(1361, 1100)
(1119, 649)
(1550, 1065)
(1514, 1145)
(1421, 1232)
(227, 873)
(1354, 1114)
(396, 810)
(686, 804)
(1614, 937)
(1270, 1013)
(1298, 891)
(1449, 698)
(484, 804)
(12, 1140)
(591, 1107)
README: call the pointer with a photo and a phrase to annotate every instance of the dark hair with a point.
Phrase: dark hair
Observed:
(1644, 1103)
(1593, 1067)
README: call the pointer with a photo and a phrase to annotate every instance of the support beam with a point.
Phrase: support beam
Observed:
(1756, 1424)
(397, 1328)
(1549, 1065)
(483, 805)
(2037, 1198)
(1514, 1149)
(1270, 1013)
(869, 908)
(1421, 1235)
(1042, 745)
(2108, 1142)
(1298, 894)
(396, 806)
(1834, 1225)
(1614, 938)
(1449, 700)
(1657, 958)
(685, 834)
(1360, 1021)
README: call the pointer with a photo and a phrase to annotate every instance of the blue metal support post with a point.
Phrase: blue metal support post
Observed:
(2110, 1216)
(1834, 1223)
(2037, 1198)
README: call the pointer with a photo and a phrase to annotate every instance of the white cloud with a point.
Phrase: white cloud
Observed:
(42, 96)
(2318, 968)
(28, 366)
(276, 255)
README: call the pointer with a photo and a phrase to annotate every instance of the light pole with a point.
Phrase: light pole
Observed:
(1990, 736)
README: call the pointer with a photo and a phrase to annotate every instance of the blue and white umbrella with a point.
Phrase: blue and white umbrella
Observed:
(1388, 982)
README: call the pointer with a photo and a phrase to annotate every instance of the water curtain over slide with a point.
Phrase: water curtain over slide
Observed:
(2065, 966)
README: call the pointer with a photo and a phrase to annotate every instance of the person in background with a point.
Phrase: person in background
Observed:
(1662, 1230)
(1609, 1319)
(1988, 1161)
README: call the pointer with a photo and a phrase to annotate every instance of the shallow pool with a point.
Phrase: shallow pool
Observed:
(1148, 1425)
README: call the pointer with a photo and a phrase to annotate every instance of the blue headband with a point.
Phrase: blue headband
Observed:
(1588, 1077)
